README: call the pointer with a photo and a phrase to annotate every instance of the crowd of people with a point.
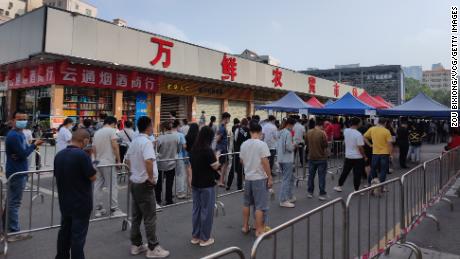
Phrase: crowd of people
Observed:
(195, 156)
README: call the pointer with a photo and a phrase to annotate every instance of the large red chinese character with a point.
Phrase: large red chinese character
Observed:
(336, 89)
(311, 84)
(277, 74)
(162, 44)
(228, 68)
(355, 91)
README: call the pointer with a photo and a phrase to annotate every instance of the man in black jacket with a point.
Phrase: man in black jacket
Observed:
(241, 134)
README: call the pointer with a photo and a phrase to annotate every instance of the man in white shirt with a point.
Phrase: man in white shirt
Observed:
(254, 155)
(106, 152)
(270, 137)
(299, 140)
(141, 160)
(354, 155)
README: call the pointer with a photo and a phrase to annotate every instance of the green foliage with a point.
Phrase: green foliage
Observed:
(414, 87)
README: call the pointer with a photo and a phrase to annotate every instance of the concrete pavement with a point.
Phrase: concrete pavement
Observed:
(106, 240)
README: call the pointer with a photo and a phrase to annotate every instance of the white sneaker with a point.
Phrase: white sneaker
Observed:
(158, 252)
(338, 188)
(322, 197)
(287, 204)
(207, 243)
(19, 237)
(181, 196)
(99, 213)
(117, 213)
(309, 195)
(293, 199)
(135, 250)
(194, 241)
(158, 206)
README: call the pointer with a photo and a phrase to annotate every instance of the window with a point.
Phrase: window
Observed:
(77, 7)
(1, 11)
(10, 5)
(88, 12)
(60, 3)
(7, 13)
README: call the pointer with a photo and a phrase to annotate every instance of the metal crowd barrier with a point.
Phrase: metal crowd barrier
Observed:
(220, 206)
(374, 234)
(329, 235)
(225, 252)
(50, 203)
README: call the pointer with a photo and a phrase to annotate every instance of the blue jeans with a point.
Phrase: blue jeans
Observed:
(287, 181)
(15, 190)
(380, 163)
(321, 167)
(72, 237)
(204, 200)
(414, 153)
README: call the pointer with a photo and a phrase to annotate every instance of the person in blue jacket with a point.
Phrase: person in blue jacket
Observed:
(17, 150)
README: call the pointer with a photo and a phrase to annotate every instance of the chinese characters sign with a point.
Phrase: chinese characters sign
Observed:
(164, 47)
(36, 76)
(277, 75)
(85, 76)
(228, 68)
(311, 85)
(336, 89)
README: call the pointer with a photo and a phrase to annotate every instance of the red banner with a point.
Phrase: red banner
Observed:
(85, 76)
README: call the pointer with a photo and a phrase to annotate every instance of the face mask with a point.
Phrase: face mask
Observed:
(21, 124)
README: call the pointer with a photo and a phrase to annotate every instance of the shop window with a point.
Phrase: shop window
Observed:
(129, 105)
(35, 102)
(87, 103)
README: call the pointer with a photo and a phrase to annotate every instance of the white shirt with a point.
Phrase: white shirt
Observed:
(270, 133)
(353, 139)
(251, 153)
(141, 149)
(102, 142)
(28, 135)
(63, 138)
(123, 135)
(299, 133)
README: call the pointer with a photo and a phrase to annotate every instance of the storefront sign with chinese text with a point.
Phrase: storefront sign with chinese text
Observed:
(85, 76)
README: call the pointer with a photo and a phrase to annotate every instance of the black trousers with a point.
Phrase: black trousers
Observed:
(403, 149)
(238, 169)
(358, 168)
(299, 153)
(72, 236)
(143, 209)
(271, 160)
(169, 175)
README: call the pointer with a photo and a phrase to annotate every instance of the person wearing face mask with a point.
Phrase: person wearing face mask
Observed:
(17, 151)
(74, 174)
(64, 134)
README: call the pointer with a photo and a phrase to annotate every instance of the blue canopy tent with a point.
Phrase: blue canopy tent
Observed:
(328, 102)
(420, 106)
(288, 103)
(347, 105)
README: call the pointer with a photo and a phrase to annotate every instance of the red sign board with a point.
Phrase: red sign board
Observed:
(85, 76)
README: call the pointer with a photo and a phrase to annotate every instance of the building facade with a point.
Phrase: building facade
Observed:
(386, 81)
(81, 67)
(414, 72)
(10, 9)
(437, 79)
(77, 6)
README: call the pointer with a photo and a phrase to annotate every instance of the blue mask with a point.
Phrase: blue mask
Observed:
(21, 124)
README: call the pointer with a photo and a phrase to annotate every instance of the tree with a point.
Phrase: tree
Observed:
(414, 87)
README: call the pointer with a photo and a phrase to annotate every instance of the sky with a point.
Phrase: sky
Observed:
(301, 33)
